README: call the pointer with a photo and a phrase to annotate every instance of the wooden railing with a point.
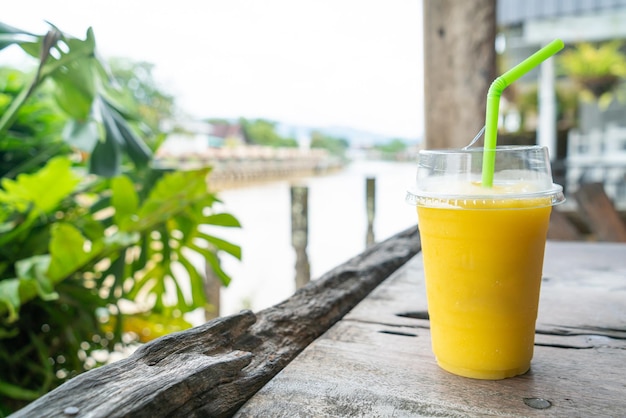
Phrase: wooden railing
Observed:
(252, 164)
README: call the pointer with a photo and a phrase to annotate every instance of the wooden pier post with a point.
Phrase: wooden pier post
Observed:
(300, 233)
(212, 289)
(370, 205)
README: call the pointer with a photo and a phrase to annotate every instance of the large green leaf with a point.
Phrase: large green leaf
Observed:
(16, 392)
(10, 300)
(31, 282)
(75, 88)
(45, 188)
(136, 149)
(82, 134)
(125, 201)
(211, 258)
(68, 52)
(31, 195)
(222, 219)
(220, 244)
(10, 35)
(196, 281)
(35, 268)
(119, 271)
(172, 194)
(70, 251)
(106, 158)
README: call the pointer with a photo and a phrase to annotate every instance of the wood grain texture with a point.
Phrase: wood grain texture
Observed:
(211, 370)
(377, 361)
(459, 67)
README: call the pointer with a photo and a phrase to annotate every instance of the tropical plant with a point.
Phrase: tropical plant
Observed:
(598, 68)
(88, 262)
(100, 120)
(36, 134)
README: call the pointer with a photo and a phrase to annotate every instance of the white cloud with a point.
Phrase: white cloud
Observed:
(355, 63)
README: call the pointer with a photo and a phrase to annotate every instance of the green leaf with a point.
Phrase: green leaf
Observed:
(222, 219)
(35, 268)
(159, 290)
(69, 250)
(151, 325)
(75, 50)
(181, 299)
(196, 281)
(124, 200)
(10, 297)
(17, 392)
(75, 89)
(214, 262)
(73, 75)
(145, 283)
(106, 158)
(220, 244)
(10, 35)
(8, 333)
(81, 134)
(45, 188)
(32, 48)
(14, 292)
(136, 149)
(171, 195)
(144, 252)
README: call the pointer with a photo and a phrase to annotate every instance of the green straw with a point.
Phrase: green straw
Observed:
(493, 104)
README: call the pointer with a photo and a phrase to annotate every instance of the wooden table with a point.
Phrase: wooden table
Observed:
(377, 361)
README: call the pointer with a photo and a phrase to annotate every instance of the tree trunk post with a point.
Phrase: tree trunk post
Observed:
(459, 67)
(370, 205)
(300, 232)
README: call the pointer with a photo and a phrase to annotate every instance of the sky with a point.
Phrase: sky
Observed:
(317, 63)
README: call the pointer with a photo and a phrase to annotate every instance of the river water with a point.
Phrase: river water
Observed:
(337, 228)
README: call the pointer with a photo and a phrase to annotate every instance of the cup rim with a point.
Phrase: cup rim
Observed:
(499, 148)
(551, 197)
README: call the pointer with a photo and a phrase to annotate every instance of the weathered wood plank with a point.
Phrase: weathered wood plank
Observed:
(211, 370)
(377, 360)
(367, 372)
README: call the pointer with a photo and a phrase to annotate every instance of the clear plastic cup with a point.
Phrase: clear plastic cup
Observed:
(483, 255)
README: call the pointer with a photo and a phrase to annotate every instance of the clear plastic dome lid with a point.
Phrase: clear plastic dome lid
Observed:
(448, 176)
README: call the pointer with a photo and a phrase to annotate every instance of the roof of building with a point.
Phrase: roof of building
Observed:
(513, 12)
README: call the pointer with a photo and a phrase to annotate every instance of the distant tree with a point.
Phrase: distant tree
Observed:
(336, 146)
(263, 132)
(394, 146)
(219, 121)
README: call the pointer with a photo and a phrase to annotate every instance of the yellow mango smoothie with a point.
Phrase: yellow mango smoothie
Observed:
(483, 261)
(483, 249)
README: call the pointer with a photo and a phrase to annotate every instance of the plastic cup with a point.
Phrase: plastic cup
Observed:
(483, 255)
